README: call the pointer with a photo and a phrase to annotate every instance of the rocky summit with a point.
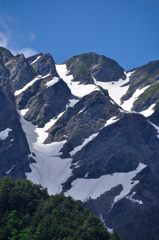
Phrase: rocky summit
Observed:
(88, 129)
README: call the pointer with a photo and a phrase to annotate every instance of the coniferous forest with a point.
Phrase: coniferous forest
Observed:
(27, 212)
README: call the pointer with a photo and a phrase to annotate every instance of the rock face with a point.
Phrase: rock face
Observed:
(146, 77)
(14, 149)
(87, 117)
(86, 66)
(67, 133)
(44, 102)
(20, 71)
(5, 54)
(43, 64)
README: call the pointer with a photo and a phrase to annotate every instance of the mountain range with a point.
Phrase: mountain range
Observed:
(88, 129)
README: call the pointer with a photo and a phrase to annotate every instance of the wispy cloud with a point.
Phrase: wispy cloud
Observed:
(27, 51)
(16, 46)
(4, 40)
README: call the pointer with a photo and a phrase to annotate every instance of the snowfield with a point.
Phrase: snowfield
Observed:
(5, 133)
(77, 89)
(93, 188)
(115, 89)
(49, 170)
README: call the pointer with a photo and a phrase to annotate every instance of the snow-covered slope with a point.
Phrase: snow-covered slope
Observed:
(76, 88)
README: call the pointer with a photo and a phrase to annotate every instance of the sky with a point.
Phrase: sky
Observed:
(125, 30)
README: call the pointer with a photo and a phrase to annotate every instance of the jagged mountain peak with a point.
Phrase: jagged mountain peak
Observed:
(88, 65)
(6, 54)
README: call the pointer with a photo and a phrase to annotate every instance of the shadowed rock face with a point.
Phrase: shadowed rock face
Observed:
(14, 149)
(154, 118)
(147, 75)
(47, 102)
(118, 148)
(131, 219)
(44, 65)
(5, 54)
(87, 117)
(20, 71)
(104, 69)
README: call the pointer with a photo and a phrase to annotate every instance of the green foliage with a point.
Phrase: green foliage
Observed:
(148, 93)
(83, 70)
(28, 213)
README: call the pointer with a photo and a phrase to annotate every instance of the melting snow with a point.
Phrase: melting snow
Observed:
(49, 124)
(87, 140)
(93, 188)
(149, 111)
(5, 133)
(156, 127)
(72, 102)
(76, 88)
(134, 200)
(116, 89)
(24, 111)
(29, 84)
(111, 121)
(49, 170)
(52, 82)
(9, 171)
(35, 60)
(90, 138)
(128, 104)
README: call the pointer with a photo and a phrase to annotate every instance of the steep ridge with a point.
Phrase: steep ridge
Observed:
(86, 66)
(14, 149)
(42, 95)
(86, 118)
(143, 89)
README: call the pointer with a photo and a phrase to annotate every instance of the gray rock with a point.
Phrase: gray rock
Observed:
(104, 69)
(87, 117)
(44, 65)
(20, 71)
(6, 54)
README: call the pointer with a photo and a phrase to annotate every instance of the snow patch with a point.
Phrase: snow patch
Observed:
(78, 89)
(5, 133)
(111, 121)
(134, 200)
(35, 60)
(156, 127)
(9, 171)
(24, 111)
(49, 124)
(128, 104)
(73, 102)
(149, 111)
(87, 140)
(90, 138)
(52, 82)
(93, 188)
(29, 84)
(116, 89)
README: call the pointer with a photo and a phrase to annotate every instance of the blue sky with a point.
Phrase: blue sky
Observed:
(125, 30)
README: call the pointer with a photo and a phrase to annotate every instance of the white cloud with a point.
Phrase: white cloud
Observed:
(27, 51)
(32, 37)
(4, 40)
(12, 41)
